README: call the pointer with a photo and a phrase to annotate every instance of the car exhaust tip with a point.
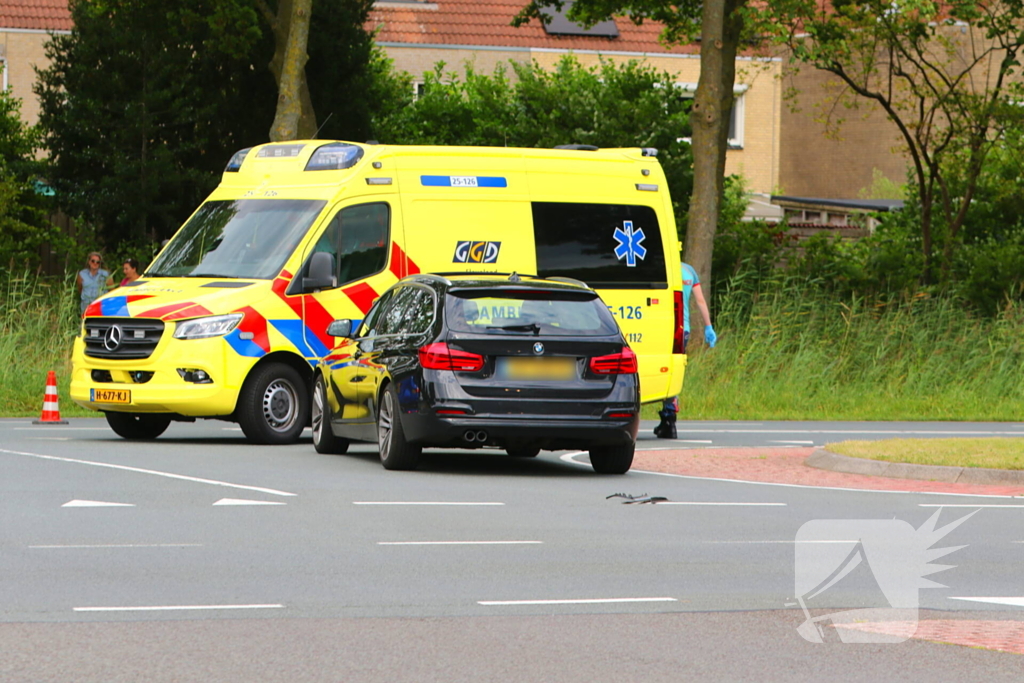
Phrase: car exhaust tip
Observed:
(481, 436)
(470, 435)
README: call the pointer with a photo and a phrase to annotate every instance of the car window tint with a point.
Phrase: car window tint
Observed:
(611, 246)
(372, 319)
(496, 313)
(357, 238)
(410, 311)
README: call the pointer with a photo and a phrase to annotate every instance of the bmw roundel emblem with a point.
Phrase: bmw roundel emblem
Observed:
(538, 348)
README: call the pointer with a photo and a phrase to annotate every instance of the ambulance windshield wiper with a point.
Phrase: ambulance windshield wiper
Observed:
(209, 275)
(529, 327)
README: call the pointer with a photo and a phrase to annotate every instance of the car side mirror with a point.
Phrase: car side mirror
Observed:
(321, 272)
(340, 328)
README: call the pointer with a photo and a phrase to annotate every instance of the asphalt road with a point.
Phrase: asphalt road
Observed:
(200, 557)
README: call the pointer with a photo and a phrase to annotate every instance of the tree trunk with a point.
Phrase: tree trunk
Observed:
(295, 118)
(709, 119)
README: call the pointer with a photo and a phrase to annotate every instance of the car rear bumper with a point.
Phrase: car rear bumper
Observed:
(429, 429)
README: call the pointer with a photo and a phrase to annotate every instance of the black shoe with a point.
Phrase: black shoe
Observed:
(660, 429)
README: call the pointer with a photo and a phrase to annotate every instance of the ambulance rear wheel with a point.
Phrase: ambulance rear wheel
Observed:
(273, 407)
(137, 426)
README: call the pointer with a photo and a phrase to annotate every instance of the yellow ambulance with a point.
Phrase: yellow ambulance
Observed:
(228, 321)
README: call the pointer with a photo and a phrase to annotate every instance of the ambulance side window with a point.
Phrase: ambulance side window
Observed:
(358, 239)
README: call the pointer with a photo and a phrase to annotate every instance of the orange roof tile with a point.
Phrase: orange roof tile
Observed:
(488, 23)
(44, 15)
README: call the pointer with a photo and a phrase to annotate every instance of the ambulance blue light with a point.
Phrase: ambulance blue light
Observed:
(236, 160)
(334, 156)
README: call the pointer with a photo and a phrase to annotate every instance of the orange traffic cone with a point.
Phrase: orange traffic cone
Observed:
(51, 411)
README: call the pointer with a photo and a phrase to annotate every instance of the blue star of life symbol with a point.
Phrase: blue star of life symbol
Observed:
(629, 246)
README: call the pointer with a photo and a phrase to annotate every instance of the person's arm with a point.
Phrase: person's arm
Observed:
(702, 305)
(78, 283)
(709, 332)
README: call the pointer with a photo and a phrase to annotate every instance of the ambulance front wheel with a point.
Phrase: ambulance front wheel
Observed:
(273, 407)
(137, 426)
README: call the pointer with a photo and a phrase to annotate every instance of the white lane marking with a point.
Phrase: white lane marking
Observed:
(803, 443)
(119, 545)
(231, 429)
(416, 502)
(241, 501)
(587, 601)
(157, 473)
(786, 542)
(62, 428)
(691, 441)
(163, 608)
(1015, 602)
(839, 431)
(458, 542)
(95, 504)
(699, 502)
(958, 505)
(48, 438)
(568, 457)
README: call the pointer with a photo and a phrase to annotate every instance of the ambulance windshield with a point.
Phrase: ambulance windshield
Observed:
(242, 238)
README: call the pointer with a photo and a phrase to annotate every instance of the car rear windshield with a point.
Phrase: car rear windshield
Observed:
(529, 312)
(243, 238)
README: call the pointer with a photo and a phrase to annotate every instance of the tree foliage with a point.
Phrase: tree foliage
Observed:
(24, 206)
(611, 105)
(947, 75)
(145, 101)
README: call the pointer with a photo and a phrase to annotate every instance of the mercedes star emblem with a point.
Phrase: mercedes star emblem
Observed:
(112, 339)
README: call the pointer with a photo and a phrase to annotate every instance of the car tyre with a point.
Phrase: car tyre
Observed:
(138, 426)
(324, 440)
(273, 407)
(395, 452)
(615, 459)
(523, 451)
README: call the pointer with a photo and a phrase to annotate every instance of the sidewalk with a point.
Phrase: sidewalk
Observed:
(786, 466)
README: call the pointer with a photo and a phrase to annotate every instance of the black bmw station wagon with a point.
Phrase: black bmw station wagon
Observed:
(480, 360)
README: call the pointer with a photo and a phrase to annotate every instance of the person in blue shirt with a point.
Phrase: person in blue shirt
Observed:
(666, 429)
(91, 281)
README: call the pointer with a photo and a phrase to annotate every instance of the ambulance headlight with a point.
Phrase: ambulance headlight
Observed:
(213, 326)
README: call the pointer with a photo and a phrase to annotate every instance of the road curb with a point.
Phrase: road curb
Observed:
(827, 460)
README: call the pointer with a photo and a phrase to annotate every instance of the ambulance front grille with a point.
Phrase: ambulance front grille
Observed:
(122, 338)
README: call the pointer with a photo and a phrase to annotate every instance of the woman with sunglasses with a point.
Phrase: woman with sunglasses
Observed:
(92, 280)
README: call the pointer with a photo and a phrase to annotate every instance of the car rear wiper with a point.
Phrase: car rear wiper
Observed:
(529, 327)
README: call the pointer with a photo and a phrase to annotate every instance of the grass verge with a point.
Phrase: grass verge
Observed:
(993, 453)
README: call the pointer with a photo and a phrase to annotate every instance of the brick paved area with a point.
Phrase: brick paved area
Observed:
(785, 465)
(1004, 636)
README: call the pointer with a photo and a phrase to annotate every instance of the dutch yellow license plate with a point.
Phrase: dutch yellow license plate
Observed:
(537, 368)
(110, 395)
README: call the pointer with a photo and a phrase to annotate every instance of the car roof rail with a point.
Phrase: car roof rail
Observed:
(484, 273)
(579, 148)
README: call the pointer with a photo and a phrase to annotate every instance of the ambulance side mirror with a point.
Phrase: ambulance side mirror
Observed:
(340, 328)
(321, 272)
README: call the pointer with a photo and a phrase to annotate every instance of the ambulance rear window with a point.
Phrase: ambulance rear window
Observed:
(608, 246)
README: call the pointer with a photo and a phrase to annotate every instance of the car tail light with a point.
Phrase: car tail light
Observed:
(438, 356)
(620, 416)
(677, 339)
(621, 363)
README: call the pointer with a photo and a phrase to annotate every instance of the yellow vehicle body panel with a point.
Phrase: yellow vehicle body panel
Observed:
(449, 209)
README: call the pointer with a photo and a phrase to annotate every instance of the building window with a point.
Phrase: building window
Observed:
(736, 116)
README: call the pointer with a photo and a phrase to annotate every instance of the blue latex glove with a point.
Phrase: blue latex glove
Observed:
(709, 336)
